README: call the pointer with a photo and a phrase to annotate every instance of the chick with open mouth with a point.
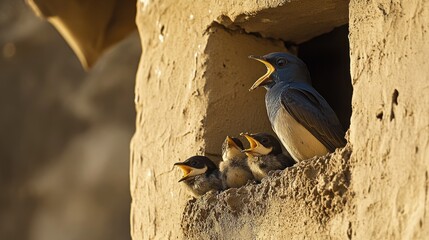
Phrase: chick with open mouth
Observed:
(200, 175)
(265, 154)
(234, 168)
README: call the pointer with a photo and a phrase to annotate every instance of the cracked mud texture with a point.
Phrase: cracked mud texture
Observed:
(307, 194)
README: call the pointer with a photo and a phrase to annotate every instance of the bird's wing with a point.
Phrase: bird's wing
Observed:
(315, 114)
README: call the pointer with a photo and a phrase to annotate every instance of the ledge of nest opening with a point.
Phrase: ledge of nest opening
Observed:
(310, 193)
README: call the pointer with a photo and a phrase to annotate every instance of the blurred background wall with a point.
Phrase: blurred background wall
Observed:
(65, 133)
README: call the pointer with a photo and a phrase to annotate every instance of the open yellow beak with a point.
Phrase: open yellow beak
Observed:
(266, 76)
(253, 144)
(185, 169)
(256, 148)
(231, 143)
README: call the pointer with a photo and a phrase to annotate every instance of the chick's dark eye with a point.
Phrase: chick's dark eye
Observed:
(264, 140)
(193, 163)
(281, 62)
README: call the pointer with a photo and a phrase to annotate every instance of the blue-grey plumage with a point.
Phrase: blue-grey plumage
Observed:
(302, 119)
(234, 169)
(265, 154)
(200, 175)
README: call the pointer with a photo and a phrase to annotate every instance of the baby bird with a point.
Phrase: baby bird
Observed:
(265, 154)
(234, 168)
(200, 175)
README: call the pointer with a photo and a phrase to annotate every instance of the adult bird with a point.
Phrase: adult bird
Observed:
(302, 119)
(200, 175)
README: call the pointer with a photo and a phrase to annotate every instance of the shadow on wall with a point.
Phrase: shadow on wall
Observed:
(64, 151)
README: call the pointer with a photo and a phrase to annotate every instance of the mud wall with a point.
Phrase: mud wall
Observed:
(389, 49)
(192, 90)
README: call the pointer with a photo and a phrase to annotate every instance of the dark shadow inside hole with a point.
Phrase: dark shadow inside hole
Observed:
(328, 60)
(379, 115)
(395, 97)
(394, 102)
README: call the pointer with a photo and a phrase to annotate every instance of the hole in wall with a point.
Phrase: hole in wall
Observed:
(233, 109)
(379, 115)
(395, 96)
(394, 103)
(229, 74)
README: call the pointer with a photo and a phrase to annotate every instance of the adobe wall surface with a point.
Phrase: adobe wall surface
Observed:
(191, 91)
(389, 134)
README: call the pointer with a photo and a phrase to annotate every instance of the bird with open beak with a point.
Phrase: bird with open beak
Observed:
(302, 119)
(200, 175)
(265, 154)
(234, 168)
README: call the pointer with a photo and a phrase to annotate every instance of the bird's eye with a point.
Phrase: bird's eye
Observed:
(193, 163)
(264, 140)
(281, 62)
